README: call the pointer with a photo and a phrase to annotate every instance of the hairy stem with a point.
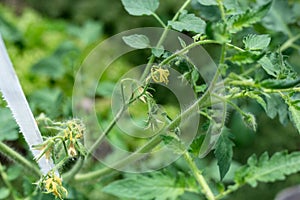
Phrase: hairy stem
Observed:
(199, 177)
(7, 182)
(225, 100)
(18, 158)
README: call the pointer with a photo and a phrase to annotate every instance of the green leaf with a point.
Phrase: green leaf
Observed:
(105, 88)
(256, 42)
(209, 13)
(279, 17)
(137, 41)
(14, 172)
(280, 84)
(231, 6)
(158, 51)
(9, 31)
(258, 99)
(88, 33)
(237, 22)
(208, 2)
(246, 57)
(182, 42)
(140, 7)
(196, 145)
(57, 65)
(50, 67)
(49, 101)
(268, 66)
(224, 152)
(277, 106)
(8, 126)
(188, 22)
(219, 32)
(276, 65)
(27, 186)
(4, 193)
(295, 113)
(200, 88)
(267, 169)
(157, 186)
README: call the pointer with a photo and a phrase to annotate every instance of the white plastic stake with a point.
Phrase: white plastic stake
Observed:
(14, 96)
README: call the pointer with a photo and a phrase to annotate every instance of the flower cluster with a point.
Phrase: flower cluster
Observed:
(68, 135)
(160, 75)
(72, 134)
(53, 184)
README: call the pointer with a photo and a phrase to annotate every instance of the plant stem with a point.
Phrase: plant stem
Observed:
(186, 3)
(289, 42)
(159, 20)
(221, 8)
(148, 146)
(144, 75)
(225, 100)
(297, 47)
(184, 50)
(67, 177)
(296, 89)
(223, 55)
(162, 38)
(250, 70)
(235, 47)
(6, 182)
(199, 177)
(107, 130)
(228, 191)
(12, 154)
(102, 172)
(156, 139)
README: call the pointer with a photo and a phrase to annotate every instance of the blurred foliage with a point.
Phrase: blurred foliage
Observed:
(48, 44)
(110, 13)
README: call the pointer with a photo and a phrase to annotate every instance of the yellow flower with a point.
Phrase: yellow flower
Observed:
(71, 150)
(79, 136)
(142, 95)
(48, 184)
(57, 179)
(53, 184)
(160, 75)
(74, 130)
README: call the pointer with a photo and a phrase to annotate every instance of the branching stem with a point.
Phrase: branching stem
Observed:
(199, 177)
(18, 158)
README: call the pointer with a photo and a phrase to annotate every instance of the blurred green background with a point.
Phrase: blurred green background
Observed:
(47, 41)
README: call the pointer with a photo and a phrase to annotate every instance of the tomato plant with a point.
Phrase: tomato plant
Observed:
(185, 147)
